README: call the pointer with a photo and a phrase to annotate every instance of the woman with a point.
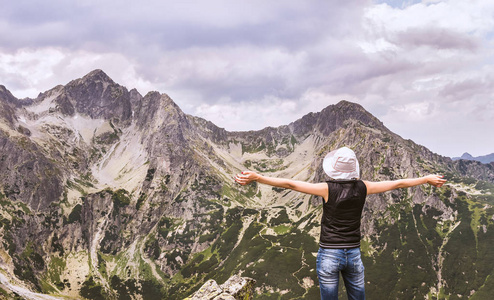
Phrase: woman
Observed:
(344, 198)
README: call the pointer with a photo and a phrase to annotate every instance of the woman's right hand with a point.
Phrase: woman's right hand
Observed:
(246, 177)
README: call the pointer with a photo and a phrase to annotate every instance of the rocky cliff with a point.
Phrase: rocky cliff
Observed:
(108, 194)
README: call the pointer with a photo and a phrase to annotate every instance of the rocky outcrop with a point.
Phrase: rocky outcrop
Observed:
(475, 169)
(235, 288)
(27, 174)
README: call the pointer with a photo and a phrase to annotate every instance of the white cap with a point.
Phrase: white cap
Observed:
(341, 164)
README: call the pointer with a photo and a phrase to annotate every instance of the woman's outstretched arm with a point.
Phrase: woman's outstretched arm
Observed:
(383, 186)
(317, 189)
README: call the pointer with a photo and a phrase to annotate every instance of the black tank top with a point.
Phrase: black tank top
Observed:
(340, 223)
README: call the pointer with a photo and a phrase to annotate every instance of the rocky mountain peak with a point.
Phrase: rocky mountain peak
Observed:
(334, 117)
(98, 75)
(97, 96)
(350, 110)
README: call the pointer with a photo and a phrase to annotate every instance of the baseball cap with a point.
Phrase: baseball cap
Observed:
(341, 164)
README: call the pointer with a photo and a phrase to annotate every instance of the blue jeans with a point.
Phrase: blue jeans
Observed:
(330, 262)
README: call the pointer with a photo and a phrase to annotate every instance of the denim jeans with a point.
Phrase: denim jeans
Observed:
(330, 262)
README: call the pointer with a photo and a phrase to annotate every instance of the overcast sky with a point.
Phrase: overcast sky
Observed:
(424, 68)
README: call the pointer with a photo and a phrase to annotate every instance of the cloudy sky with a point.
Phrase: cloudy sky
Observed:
(425, 68)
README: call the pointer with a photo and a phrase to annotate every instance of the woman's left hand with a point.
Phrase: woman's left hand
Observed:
(246, 177)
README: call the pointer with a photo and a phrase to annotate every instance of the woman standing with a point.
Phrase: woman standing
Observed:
(344, 198)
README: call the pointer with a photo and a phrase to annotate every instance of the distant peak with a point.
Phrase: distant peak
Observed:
(466, 155)
(97, 75)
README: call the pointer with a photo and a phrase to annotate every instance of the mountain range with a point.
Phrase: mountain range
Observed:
(489, 158)
(108, 194)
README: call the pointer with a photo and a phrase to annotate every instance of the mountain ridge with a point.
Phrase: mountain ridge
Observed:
(489, 158)
(128, 195)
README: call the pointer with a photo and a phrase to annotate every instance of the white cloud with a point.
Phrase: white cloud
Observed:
(433, 65)
(27, 72)
(415, 112)
(473, 17)
(269, 111)
(27, 69)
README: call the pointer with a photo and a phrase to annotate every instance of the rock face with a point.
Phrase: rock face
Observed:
(236, 287)
(108, 194)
